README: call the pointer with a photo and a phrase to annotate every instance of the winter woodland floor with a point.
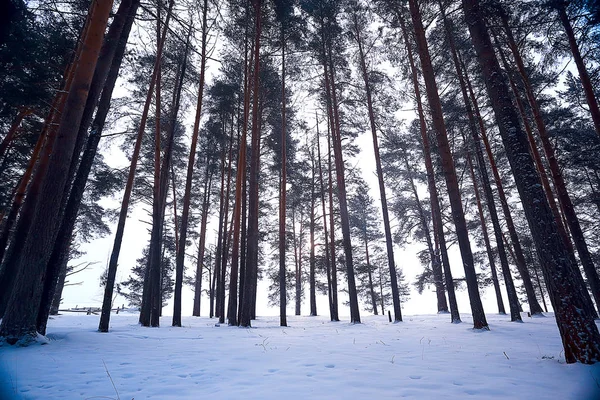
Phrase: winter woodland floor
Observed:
(424, 357)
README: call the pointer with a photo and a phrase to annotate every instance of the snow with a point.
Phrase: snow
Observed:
(424, 357)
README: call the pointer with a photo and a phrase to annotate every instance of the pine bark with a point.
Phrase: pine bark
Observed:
(534, 305)
(384, 208)
(584, 76)
(180, 256)
(107, 70)
(341, 191)
(458, 216)
(252, 245)
(513, 300)
(436, 213)
(578, 330)
(19, 320)
(114, 257)
(325, 233)
(561, 189)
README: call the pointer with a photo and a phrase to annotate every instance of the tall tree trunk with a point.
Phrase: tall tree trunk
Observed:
(330, 128)
(584, 76)
(557, 177)
(202, 241)
(479, 320)
(341, 191)
(220, 237)
(298, 263)
(384, 208)
(180, 256)
(226, 234)
(19, 320)
(486, 240)
(325, 233)
(513, 300)
(435, 260)
(240, 198)
(282, 193)
(155, 265)
(578, 330)
(534, 305)
(436, 214)
(114, 257)
(107, 70)
(312, 278)
(60, 285)
(252, 245)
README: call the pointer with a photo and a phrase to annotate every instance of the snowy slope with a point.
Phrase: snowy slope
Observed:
(424, 357)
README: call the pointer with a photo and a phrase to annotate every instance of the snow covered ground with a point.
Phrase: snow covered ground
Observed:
(424, 357)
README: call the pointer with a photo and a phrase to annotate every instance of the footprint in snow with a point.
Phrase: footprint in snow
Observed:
(329, 366)
(271, 370)
(414, 376)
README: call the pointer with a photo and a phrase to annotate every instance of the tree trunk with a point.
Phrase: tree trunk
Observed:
(252, 245)
(155, 265)
(312, 278)
(384, 209)
(330, 128)
(202, 241)
(534, 305)
(578, 330)
(479, 320)
(10, 135)
(325, 234)
(60, 285)
(341, 190)
(557, 177)
(435, 260)
(513, 300)
(282, 194)
(114, 257)
(486, 240)
(584, 76)
(180, 256)
(226, 234)
(107, 70)
(19, 320)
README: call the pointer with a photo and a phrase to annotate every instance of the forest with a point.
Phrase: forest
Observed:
(239, 120)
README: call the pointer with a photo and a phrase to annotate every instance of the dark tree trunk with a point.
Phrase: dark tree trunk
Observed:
(226, 234)
(202, 241)
(341, 190)
(114, 257)
(486, 240)
(513, 300)
(155, 265)
(282, 194)
(557, 177)
(436, 213)
(252, 245)
(330, 128)
(325, 233)
(19, 320)
(107, 71)
(312, 279)
(479, 320)
(534, 305)
(578, 330)
(435, 260)
(384, 208)
(60, 285)
(180, 256)
(584, 76)
(10, 135)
